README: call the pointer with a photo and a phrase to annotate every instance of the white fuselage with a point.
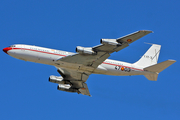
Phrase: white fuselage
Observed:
(50, 57)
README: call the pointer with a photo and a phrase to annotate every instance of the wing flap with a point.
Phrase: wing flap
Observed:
(101, 59)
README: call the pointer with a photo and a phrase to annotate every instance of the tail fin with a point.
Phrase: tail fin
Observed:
(156, 69)
(150, 57)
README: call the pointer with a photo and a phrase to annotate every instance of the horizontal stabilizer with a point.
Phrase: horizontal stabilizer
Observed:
(157, 68)
(85, 90)
(152, 77)
(160, 66)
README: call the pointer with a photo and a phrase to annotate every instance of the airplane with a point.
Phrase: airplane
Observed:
(75, 68)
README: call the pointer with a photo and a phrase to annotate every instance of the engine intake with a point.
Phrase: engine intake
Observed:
(66, 87)
(56, 79)
(83, 50)
(110, 42)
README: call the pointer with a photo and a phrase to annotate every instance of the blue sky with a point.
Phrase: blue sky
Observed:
(24, 88)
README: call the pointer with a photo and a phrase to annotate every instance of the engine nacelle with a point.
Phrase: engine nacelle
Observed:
(56, 79)
(83, 50)
(110, 42)
(66, 87)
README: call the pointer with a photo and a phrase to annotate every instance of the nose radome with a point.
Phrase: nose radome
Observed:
(7, 49)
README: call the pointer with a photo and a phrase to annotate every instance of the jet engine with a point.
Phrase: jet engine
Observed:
(110, 42)
(83, 50)
(66, 87)
(56, 79)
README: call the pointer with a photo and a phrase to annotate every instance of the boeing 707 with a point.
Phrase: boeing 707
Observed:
(75, 68)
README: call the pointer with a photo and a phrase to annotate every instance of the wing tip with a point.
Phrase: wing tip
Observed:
(148, 31)
(173, 61)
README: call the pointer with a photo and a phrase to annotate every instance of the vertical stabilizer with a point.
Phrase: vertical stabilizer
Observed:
(150, 57)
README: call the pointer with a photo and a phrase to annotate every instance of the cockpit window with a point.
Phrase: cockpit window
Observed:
(12, 46)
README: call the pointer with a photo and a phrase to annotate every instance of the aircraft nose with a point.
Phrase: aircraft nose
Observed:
(7, 49)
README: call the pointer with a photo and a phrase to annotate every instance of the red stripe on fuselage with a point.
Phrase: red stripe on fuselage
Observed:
(39, 51)
(65, 55)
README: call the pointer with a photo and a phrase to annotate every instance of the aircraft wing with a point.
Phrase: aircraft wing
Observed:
(78, 67)
(90, 62)
(76, 80)
(124, 41)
